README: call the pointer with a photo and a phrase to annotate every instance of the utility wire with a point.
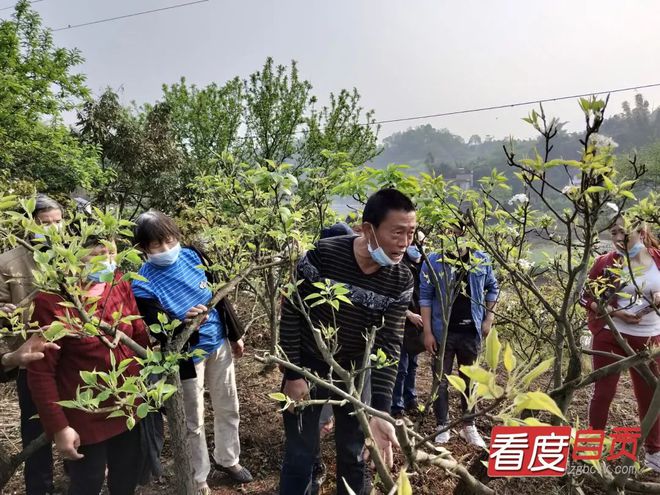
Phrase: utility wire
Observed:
(144, 12)
(12, 6)
(510, 105)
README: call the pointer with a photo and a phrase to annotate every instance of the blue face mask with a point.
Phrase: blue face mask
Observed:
(110, 267)
(378, 255)
(413, 253)
(165, 258)
(633, 251)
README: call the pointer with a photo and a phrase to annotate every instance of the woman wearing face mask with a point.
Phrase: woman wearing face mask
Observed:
(90, 441)
(178, 287)
(633, 317)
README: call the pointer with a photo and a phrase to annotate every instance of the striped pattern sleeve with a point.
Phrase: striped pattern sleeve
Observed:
(291, 325)
(389, 339)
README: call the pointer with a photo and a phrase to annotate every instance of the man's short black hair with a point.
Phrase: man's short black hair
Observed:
(154, 226)
(382, 202)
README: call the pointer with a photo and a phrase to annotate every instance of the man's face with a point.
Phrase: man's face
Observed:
(49, 217)
(394, 234)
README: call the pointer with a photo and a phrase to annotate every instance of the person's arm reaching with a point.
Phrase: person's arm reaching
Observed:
(31, 350)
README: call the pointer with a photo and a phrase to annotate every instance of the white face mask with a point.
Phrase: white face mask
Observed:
(166, 258)
(378, 254)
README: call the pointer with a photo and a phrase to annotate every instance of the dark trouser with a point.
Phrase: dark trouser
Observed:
(38, 470)
(326, 415)
(464, 346)
(404, 394)
(121, 454)
(302, 444)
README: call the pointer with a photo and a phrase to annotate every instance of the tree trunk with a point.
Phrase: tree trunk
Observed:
(176, 421)
(274, 327)
(9, 463)
(559, 357)
(273, 320)
(574, 371)
(476, 469)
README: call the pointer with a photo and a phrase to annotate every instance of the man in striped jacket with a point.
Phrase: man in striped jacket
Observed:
(380, 291)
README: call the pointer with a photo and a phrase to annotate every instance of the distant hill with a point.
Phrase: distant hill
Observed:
(426, 148)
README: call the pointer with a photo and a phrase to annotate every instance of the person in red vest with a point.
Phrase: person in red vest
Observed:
(91, 441)
(631, 306)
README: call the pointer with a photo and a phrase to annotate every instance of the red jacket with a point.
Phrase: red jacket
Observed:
(57, 376)
(595, 321)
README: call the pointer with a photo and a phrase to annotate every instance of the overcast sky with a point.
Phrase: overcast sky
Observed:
(406, 57)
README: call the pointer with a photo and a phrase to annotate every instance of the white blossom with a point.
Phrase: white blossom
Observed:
(613, 206)
(601, 141)
(525, 264)
(519, 198)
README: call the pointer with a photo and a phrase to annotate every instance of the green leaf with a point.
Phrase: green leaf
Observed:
(142, 410)
(88, 377)
(539, 401)
(103, 396)
(457, 382)
(135, 276)
(343, 299)
(509, 359)
(55, 331)
(116, 414)
(595, 189)
(538, 371)
(403, 486)
(534, 422)
(477, 373)
(278, 396)
(130, 422)
(493, 349)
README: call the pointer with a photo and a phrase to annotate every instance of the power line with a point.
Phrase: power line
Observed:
(12, 6)
(109, 19)
(510, 105)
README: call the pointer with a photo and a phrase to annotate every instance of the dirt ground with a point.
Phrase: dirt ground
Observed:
(262, 439)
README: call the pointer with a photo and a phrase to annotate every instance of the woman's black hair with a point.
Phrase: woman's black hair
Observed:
(154, 226)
